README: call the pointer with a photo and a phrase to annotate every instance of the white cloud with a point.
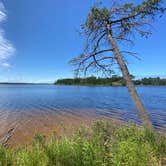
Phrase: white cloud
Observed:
(6, 48)
(5, 65)
(2, 12)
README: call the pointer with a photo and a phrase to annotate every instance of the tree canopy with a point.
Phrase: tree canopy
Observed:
(105, 28)
(125, 20)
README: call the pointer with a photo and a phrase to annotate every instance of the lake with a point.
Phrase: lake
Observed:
(115, 102)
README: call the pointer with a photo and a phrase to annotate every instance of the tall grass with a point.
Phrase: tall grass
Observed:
(103, 144)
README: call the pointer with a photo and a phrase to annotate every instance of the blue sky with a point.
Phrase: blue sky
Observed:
(41, 37)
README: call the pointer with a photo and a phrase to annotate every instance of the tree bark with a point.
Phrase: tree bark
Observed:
(129, 83)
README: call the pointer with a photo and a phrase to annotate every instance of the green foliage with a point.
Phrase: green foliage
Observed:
(114, 81)
(150, 7)
(131, 153)
(6, 157)
(127, 16)
(151, 81)
(97, 16)
(91, 81)
(31, 157)
(103, 144)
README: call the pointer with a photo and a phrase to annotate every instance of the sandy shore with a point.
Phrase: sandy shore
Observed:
(21, 132)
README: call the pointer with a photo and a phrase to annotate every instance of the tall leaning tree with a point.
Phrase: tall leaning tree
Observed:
(106, 29)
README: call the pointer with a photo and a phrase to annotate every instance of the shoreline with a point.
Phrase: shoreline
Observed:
(22, 132)
(60, 125)
(90, 85)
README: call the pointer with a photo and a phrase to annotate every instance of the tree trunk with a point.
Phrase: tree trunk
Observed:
(129, 83)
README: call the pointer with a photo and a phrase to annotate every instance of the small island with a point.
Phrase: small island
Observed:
(111, 81)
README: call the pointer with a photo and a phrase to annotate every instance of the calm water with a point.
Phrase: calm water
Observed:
(20, 100)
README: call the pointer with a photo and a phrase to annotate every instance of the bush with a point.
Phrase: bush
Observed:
(103, 144)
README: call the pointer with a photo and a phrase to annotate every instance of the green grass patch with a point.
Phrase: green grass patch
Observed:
(103, 144)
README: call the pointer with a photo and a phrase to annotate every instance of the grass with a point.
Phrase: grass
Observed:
(103, 144)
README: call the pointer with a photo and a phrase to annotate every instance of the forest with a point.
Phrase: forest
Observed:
(112, 81)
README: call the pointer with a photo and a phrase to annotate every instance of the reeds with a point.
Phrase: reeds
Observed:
(103, 144)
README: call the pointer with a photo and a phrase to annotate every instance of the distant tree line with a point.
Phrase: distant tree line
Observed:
(112, 81)
(151, 81)
(91, 81)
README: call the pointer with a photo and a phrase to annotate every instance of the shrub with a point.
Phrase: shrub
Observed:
(103, 144)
